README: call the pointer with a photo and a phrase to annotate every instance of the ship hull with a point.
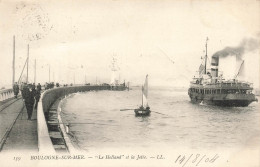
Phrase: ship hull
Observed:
(228, 100)
(142, 112)
(225, 103)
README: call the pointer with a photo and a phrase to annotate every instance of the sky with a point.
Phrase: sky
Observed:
(76, 40)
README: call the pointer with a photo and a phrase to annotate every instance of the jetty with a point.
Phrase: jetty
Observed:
(45, 132)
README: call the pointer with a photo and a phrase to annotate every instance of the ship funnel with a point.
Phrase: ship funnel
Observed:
(214, 68)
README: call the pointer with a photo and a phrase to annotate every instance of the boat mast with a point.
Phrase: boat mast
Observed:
(206, 57)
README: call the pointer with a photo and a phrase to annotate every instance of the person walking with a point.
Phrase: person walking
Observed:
(29, 100)
(37, 97)
(39, 87)
(33, 86)
(23, 88)
(16, 89)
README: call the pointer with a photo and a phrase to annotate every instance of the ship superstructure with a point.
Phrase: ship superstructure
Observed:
(211, 88)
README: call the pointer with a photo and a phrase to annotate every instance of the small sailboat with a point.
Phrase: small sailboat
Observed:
(144, 109)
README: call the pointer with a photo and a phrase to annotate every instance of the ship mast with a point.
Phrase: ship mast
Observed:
(239, 69)
(206, 56)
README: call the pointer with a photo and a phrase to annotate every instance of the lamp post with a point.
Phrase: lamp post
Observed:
(35, 71)
(49, 73)
(27, 64)
(13, 60)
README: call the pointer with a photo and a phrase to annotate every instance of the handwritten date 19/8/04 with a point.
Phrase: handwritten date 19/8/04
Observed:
(195, 159)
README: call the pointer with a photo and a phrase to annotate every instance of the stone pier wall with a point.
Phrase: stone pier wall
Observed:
(47, 99)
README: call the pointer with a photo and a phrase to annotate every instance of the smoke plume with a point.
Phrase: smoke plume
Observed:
(246, 45)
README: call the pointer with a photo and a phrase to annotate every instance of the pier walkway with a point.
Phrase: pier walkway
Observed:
(45, 133)
(16, 132)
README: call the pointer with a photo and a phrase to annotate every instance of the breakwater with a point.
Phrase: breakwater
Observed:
(46, 101)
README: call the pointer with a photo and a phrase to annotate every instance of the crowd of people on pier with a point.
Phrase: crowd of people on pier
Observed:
(31, 94)
(19, 87)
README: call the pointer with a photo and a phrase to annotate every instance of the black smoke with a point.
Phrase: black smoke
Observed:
(246, 45)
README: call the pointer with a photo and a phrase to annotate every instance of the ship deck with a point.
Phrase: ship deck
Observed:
(244, 86)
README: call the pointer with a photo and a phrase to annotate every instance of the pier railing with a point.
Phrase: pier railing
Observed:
(46, 101)
(44, 140)
(6, 94)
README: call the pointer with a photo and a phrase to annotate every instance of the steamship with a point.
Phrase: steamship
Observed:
(210, 88)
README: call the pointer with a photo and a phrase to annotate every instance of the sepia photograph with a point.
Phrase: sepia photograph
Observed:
(127, 83)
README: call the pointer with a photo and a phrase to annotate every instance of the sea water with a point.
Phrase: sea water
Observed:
(97, 122)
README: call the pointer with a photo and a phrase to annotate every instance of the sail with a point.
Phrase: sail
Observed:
(145, 93)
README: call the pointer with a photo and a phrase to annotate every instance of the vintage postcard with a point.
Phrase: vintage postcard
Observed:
(169, 83)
